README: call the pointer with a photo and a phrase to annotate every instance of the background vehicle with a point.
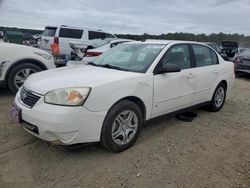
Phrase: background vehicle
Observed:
(217, 49)
(214, 46)
(85, 52)
(230, 49)
(17, 62)
(1, 36)
(63, 35)
(242, 61)
(109, 99)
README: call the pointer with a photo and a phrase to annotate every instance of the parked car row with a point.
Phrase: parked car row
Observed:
(61, 36)
(109, 99)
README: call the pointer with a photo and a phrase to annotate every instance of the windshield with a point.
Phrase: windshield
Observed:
(244, 52)
(49, 32)
(130, 57)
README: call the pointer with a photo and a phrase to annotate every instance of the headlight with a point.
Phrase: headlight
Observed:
(67, 96)
(44, 55)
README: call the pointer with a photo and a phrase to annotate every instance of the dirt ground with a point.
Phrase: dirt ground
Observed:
(211, 151)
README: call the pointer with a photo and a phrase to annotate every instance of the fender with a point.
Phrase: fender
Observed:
(36, 62)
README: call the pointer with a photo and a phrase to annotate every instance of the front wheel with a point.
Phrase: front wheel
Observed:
(121, 126)
(218, 98)
(19, 74)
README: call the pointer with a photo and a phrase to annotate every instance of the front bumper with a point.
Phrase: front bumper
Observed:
(62, 124)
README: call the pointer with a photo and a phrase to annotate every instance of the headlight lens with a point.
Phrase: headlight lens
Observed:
(67, 96)
(44, 55)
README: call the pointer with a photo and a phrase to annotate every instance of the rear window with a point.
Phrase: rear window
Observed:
(49, 31)
(71, 33)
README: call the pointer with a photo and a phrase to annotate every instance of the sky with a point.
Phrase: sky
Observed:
(131, 16)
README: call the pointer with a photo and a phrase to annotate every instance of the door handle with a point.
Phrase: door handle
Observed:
(190, 76)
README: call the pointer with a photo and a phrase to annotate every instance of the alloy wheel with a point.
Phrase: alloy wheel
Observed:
(22, 75)
(219, 97)
(124, 127)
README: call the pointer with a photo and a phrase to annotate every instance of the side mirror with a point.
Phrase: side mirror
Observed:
(167, 68)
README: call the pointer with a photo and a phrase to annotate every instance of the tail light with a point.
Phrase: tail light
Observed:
(93, 54)
(54, 49)
(56, 40)
(237, 61)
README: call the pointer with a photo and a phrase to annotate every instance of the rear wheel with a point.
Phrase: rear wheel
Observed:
(218, 98)
(19, 74)
(121, 126)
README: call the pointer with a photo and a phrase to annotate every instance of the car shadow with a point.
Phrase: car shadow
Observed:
(164, 121)
(243, 76)
(4, 92)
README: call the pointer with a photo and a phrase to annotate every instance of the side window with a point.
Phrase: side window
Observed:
(214, 57)
(178, 55)
(202, 55)
(107, 35)
(70, 33)
(96, 35)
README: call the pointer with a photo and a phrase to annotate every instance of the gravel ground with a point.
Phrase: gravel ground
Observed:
(211, 151)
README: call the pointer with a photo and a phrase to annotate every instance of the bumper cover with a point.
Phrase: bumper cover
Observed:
(67, 125)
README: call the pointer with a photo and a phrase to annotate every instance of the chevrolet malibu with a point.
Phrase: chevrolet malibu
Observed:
(109, 99)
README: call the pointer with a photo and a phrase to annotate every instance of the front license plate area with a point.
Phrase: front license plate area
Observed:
(16, 114)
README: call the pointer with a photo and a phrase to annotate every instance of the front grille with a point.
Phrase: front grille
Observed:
(28, 98)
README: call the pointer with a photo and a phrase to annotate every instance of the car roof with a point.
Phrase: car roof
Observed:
(74, 27)
(166, 42)
(121, 40)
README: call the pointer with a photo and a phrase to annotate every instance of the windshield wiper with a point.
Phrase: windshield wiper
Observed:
(92, 63)
(113, 67)
(107, 66)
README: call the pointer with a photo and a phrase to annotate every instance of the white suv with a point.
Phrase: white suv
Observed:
(63, 35)
(17, 62)
(109, 99)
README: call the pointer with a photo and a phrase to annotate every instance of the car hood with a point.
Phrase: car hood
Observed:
(74, 76)
(18, 47)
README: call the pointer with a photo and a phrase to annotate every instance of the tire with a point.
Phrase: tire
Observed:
(22, 71)
(114, 130)
(218, 98)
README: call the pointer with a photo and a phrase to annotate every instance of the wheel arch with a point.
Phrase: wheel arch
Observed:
(139, 102)
(34, 61)
(224, 82)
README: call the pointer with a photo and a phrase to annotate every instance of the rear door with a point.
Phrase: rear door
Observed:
(207, 71)
(174, 91)
(47, 38)
(67, 35)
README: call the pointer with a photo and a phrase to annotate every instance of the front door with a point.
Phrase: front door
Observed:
(174, 91)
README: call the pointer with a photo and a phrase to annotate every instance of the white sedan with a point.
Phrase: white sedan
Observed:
(86, 52)
(18, 62)
(109, 99)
